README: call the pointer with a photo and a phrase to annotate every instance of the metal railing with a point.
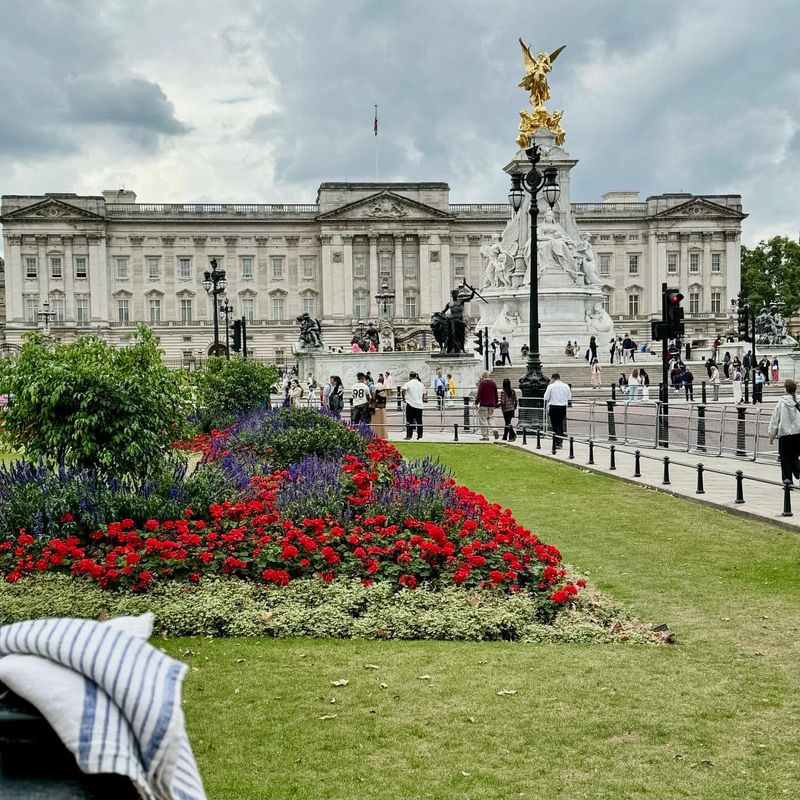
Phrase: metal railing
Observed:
(259, 209)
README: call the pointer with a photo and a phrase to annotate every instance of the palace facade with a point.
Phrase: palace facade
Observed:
(106, 263)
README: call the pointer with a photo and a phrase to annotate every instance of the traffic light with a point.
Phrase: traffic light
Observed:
(479, 342)
(237, 336)
(658, 330)
(674, 313)
(743, 323)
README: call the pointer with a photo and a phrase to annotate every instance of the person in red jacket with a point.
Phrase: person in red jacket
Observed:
(486, 401)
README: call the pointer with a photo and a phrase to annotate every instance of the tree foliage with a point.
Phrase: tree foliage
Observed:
(89, 404)
(226, 389)
(769, 268)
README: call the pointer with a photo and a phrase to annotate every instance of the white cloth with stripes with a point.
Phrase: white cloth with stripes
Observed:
(112, 698)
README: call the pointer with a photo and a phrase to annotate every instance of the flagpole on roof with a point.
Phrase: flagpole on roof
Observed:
(375, 130)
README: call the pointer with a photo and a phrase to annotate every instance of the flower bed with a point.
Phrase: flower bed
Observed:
(357, 511)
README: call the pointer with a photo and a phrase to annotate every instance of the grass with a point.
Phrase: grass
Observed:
(715, 716)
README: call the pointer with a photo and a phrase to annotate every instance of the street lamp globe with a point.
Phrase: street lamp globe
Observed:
(551, 190)
(207, 285)
(515, 194)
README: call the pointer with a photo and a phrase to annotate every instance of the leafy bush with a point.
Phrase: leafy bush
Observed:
(343, 609)
(227, 389)
(91, 405)
(207, 485)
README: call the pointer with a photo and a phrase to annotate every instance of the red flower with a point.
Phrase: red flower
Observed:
(495, 576)
(151, 525)
(409, 581)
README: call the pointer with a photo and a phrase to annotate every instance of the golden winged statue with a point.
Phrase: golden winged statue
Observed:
(536, 69)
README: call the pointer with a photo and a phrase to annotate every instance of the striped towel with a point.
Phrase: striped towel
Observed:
(112, 698)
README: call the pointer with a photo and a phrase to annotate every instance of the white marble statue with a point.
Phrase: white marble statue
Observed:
(508, 320)
(499, 259)
(598, 321)
(556, 250)
(585, 253)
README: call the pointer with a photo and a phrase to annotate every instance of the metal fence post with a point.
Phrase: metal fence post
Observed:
(787, 499)
(524, 436)
(701, 425)
(591, 452)
(466, 413)
(703, 392)
(553, 449)
(538, 438)
(700, 489)
(665, 481)
(739, 487)
(612, 422)
(612, 462)
(746, 390)
(741, 432)
(637, 464)
(455, 431)
(572, 447)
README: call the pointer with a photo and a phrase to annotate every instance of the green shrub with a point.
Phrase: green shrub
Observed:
(342, 609)
(208, 484)
(229, 388)
(90, 404)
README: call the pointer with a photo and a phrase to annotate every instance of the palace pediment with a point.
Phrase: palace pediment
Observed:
(51, 209)
(700, 208)
(385, 205)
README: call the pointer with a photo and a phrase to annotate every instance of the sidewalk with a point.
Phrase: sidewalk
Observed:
(761, 500)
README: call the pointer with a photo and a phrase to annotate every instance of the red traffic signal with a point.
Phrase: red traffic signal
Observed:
(674, 296)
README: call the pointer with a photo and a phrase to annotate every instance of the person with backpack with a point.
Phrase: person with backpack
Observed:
(508, 405)
(335, 396)
(784, 425)
(687, 379)
(439, 386)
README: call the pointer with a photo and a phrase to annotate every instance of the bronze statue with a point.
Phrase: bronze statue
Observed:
(448, 325)
(310, 331)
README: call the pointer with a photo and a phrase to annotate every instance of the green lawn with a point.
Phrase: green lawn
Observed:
(715, 716)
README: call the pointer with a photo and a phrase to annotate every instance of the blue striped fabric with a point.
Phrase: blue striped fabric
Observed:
(124, 715)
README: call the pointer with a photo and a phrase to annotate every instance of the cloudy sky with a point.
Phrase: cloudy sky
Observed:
(248, 101)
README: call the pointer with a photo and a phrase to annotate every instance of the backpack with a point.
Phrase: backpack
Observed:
(335, 401)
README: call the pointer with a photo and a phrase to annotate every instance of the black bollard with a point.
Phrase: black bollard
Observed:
(571, 447)
(612, 422)
(466, 414)
(787, 499)
(703, 391)
(455, 431)
(739, 487)
(665, 481)
(637, 464)
(741, 432)
(613, 391)
(553, 451)
(525, 436)
(538, 438)
(701, 426)
(591, 452)
(612, 452)
(700, 489)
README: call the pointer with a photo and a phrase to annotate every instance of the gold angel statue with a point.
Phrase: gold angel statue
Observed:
(536, 69)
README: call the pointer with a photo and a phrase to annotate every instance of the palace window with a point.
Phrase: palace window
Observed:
(81, 270)
(359, 266)
(309, 306)
(249, 308)
(123, 311)
(410, 306)
(672, 263)
(307, 265)
(606, 303)
(186, 309)
(31, 308)
(31, 268)
(716, 262)
(633, 305)
(57, 308)
(184, 268)
(716, 302)
(605, 264)
(694, 262)
(633, 264)
(247, 267)
(385, 265)
(55, 267)
(359, 306)
(155, 310)
(277, 266)
(82, 310)
(153, 269)
(278, 304)
(694, 302)
(459, 267)
(122, 268)
(409, 265)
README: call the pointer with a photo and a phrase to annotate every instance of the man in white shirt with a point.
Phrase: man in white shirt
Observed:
(557, 397)
(414, 397)
(360, 394)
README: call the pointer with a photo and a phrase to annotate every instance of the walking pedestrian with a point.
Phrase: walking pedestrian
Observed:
(644, 381)
(633, 386)
(557, 397)
(714, 380)
(439, 386)
(335, 398)
(508, 405)
(295, 393)
(737, 382)
(716, 347)
(495, 344)
(627, 348)
(758, 387)
(687, 379)
(413, 394)
(622, 382)
(726, 365)
(451, 387)
(378, 420)
(592, 350)
(612, 349)
(504, 354)
(360, 395)
(596, 377)
(775, 369)
(486, 401)
(785, 426)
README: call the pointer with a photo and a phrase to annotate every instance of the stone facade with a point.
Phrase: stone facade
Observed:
(105, 263)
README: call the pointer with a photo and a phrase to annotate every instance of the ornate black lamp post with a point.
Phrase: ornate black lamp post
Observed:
(384, 298)
(227, 309)
(46, 315)
(533, 383)
(215, 283)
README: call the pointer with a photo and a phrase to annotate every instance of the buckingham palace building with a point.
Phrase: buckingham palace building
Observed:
(103, 264)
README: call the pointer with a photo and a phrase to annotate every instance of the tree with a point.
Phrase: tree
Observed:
(226, 389)
(769, 268)
(90, 404)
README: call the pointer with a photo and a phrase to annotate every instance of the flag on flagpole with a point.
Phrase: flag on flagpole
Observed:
(376, 120)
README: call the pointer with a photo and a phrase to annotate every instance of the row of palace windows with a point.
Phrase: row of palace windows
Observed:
(361, 306)
(673, 263)
(694, 303)
(308, 266)
(80, 267)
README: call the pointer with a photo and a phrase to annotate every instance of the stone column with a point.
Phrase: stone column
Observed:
(620, 299)
(705, 272)
(261, 268)
(68, 271)
(445, 276)
(399, 306)
(658, 243)
(234, 275)
(347, 308)
(98, 279)
(426, 293)
(15, 278)
(474, 263)
(372, 305)
(733, 265)
(683, 263)
(201, 265)
(328, 278)
(44, 270)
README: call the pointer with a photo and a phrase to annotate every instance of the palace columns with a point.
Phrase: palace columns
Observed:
(372, 305)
